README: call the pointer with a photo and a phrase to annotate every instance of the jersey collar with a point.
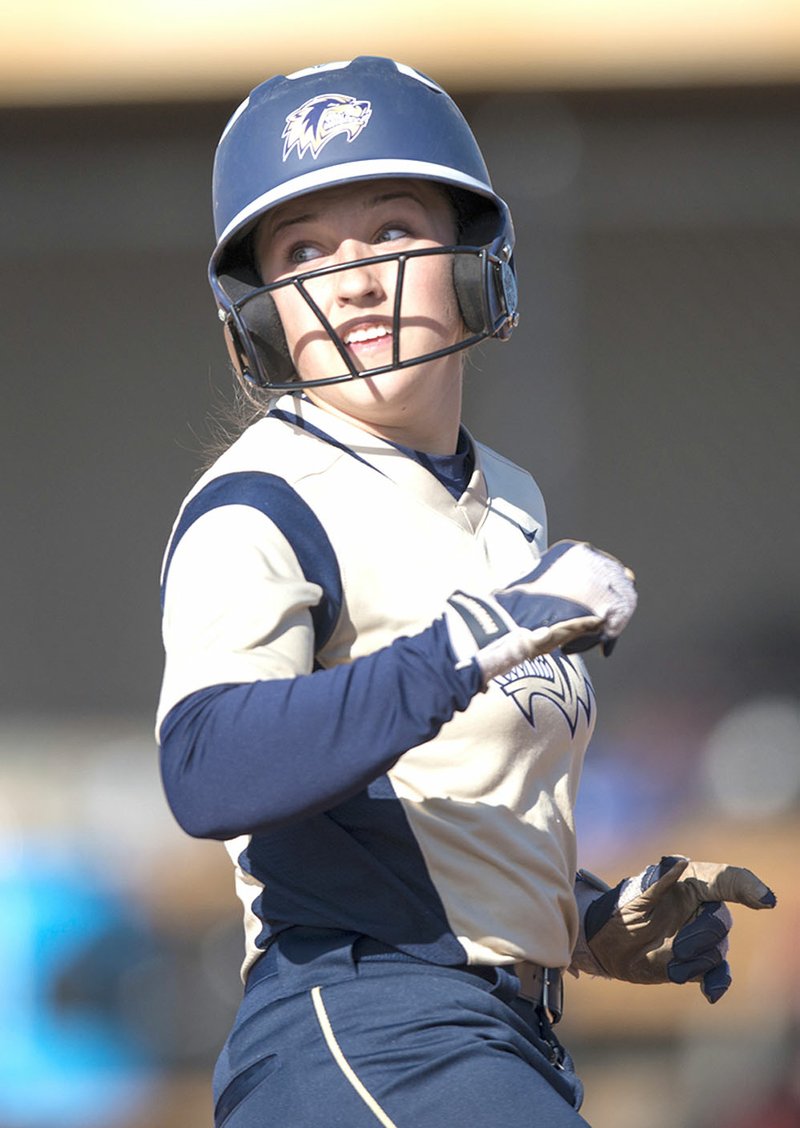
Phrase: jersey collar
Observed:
(392, 461)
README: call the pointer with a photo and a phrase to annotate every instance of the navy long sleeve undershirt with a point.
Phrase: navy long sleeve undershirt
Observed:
(241, 759)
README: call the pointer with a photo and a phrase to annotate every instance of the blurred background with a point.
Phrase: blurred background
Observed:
(650, 153)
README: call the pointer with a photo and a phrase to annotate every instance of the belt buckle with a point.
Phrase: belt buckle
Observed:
(542, 986)
(552, 993)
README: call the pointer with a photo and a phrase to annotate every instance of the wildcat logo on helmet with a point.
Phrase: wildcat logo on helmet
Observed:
(311, 126)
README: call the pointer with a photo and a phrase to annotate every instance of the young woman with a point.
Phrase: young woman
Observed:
(372, 689)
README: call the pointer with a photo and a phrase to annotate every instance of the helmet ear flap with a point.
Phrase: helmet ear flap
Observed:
(254, 331)
(487, 293)
(468, 279)
(262, 322)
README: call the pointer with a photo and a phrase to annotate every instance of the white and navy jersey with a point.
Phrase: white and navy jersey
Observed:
(312, 714)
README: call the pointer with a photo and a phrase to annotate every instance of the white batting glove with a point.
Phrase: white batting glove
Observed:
(669, 924)
(577, 597)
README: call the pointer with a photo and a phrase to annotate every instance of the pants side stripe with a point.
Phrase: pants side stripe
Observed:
(342, 1062)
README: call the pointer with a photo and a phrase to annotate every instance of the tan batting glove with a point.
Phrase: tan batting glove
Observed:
(669, 924)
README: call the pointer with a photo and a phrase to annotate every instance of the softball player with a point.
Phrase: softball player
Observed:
(373, 689)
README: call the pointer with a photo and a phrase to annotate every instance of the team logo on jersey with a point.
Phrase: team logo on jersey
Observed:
(557, 679)
(311, 126)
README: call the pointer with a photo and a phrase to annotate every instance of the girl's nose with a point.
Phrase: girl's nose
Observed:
(363, 281)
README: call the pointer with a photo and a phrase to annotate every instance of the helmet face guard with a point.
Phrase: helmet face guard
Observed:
(484, 285)
(338, 124)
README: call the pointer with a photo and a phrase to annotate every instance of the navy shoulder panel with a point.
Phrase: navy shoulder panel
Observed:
(276, 499)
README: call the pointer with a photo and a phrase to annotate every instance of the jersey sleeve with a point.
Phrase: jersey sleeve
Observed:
(237, 606)
(251, 735)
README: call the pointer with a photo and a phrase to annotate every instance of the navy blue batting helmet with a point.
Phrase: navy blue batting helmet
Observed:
(340, 123)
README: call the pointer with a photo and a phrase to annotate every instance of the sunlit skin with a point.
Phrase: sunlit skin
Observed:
(420, 406)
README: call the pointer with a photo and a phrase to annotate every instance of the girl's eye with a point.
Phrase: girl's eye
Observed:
(302, 254)
(390, 233)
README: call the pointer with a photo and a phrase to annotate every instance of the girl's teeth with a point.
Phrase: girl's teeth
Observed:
(359, 335)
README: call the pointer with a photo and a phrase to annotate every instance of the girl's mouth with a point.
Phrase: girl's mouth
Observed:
(366, 334)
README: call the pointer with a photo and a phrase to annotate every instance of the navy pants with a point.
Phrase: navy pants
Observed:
(332, 1036)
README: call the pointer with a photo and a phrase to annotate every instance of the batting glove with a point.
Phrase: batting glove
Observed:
(669, 924)
(577, 597)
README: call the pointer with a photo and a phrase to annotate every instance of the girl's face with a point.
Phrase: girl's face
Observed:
(361, 221)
